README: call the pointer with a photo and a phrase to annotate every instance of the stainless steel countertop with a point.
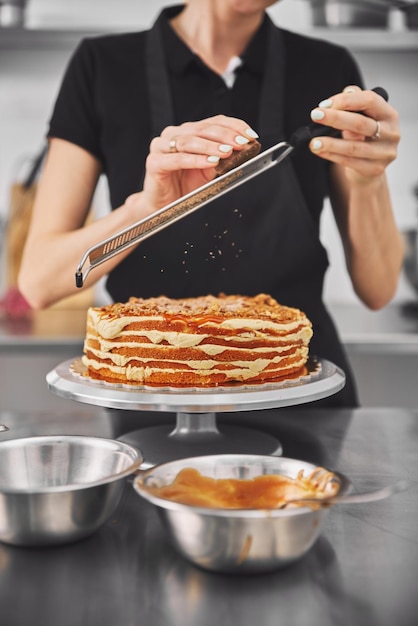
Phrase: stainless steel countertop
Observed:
(362, 571)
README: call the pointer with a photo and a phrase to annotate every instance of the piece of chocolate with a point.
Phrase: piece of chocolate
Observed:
(238, 157)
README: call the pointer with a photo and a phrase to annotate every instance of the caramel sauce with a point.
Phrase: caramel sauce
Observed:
(195, 321)
(267, 491)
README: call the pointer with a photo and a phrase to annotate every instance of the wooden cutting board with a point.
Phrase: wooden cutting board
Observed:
(20, 213)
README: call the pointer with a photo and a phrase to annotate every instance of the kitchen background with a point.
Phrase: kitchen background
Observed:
(382, 347)
(32, 64)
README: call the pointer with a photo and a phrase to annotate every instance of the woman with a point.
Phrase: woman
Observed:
(156, 111)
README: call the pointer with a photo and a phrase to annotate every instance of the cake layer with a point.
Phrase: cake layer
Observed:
(204, 341)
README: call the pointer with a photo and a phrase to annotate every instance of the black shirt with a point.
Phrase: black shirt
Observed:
(103, 103)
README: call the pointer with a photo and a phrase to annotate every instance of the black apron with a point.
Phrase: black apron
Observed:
(259, 238)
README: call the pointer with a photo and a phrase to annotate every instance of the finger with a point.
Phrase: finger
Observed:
(219, 135)
(216, 126)
(164, 163)
(366, 157)
(367, 168)
(354, 99)
(352, 89)
(346, 120)
(192, 144)
(210, 152)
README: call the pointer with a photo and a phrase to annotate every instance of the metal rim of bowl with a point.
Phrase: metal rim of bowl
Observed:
(11, 443)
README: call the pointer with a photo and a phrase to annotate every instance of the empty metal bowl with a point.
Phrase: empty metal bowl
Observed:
(411, 15)
(411, 257)
(350, 13)
(61, 488)
(239, 541)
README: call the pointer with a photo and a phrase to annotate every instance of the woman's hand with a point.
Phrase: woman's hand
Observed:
(369, 142)
(184, 157)
(359, 192)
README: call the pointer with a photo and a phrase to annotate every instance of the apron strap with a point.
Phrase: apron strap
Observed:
(161, 102)
(271, 111)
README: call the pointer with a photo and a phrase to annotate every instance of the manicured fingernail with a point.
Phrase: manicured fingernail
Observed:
(316, 144)
(240, 140)
(325, 104)
(317, 114)
(251, 133)
(224, 147)
(349, 90)
(213, 159)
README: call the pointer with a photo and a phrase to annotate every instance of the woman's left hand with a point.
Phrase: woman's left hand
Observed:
(368, 142)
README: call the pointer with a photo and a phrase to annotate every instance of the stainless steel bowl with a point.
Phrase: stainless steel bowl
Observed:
(411, 256)
(57, 489)
(350, 13)
(236, 540)
(411, 15)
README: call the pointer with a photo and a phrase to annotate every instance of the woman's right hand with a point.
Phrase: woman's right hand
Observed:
(184, 158)
(69, 179)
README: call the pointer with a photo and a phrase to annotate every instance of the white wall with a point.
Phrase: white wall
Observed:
(398, 73)
(29, 80)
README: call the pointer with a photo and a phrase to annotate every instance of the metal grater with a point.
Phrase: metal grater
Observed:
(175, 211)
(203, 195)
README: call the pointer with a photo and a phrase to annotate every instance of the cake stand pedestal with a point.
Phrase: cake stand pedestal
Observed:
(196, 432)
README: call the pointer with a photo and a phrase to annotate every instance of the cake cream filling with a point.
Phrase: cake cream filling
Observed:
(111, 328)
(240, 371)
(121, 363)
(190, 340)
(210, 349)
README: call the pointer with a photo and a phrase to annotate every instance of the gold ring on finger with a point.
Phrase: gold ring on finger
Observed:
(377, 132)
(172, 144)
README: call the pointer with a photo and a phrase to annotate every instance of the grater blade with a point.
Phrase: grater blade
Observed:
(175, 211)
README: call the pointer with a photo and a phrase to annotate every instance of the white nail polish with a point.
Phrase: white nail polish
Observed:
(349, 90)
(240, 140)
(224, 147)
(325, 104)
(251, 133)
(213, 159)
(316, 144)
(317, 114)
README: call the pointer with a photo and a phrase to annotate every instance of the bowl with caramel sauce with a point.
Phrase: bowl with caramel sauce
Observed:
(235, 513)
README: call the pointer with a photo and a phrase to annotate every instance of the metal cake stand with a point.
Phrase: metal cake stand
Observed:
(196, 431)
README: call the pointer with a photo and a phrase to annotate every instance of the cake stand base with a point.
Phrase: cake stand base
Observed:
(197, 435)
(196, 432)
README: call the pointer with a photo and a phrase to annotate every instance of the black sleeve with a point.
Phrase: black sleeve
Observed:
(75, 116)
(351, 71)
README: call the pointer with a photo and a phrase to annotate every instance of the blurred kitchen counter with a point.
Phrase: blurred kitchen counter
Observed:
(39, 330)
(31, 346)
(382, 347)
(394, 329)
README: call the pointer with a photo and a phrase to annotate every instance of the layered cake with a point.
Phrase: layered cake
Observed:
(196, 342)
